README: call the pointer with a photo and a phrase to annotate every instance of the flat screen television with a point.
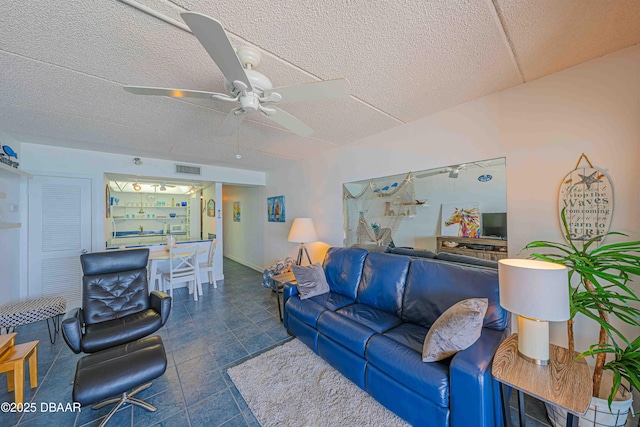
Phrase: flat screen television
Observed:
(494, 224)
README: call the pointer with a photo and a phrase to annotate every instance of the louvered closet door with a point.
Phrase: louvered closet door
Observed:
(59, 231)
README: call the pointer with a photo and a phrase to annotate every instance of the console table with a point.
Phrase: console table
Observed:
(499, 250)
(564, 382)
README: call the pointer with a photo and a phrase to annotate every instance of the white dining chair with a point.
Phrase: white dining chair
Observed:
(183, 268)
(208, 266)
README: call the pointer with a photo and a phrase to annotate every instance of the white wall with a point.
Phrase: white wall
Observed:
(57, 161)
(10, 238)
(244, 240)
(50, 160)
(209, 223)
(541, 128)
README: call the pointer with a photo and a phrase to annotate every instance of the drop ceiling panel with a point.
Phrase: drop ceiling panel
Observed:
(407, 57)
(551, 35)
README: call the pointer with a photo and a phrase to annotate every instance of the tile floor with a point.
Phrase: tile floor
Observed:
(228, 325)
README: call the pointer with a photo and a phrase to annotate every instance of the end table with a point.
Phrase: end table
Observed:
(564, 382)
(283, 278)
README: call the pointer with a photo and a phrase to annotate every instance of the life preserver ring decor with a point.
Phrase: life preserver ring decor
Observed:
(586, 194)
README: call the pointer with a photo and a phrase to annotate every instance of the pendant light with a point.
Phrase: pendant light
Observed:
(136, 186)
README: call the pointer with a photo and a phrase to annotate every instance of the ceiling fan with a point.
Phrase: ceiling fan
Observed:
(253, 90)
(453, 171)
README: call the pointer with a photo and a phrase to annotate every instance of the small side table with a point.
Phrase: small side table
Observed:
(283, 278)
(564, 382)
(13, 359)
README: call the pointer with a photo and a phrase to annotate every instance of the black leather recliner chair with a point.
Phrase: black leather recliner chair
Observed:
(116, 305)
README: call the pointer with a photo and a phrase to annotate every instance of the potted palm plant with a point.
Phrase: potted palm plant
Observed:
(600, 291)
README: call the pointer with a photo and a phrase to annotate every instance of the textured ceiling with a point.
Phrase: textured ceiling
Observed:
(63, 65)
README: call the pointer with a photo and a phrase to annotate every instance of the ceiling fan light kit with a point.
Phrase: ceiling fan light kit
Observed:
(252, 89)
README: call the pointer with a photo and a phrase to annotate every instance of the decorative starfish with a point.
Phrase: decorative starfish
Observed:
(588, 180)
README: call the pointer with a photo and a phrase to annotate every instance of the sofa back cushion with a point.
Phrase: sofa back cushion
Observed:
(383, 280)
(343, 269)
(414, 253)
(432, 287)
(445, 256)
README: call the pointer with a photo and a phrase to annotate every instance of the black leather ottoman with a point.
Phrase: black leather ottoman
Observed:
(117, 370)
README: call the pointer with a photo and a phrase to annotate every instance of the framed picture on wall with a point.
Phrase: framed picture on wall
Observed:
(461, 219)
(236, 212)
(275, 209)
(211, 207)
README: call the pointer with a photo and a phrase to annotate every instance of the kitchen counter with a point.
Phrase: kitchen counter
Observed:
(153, 246)
(127, 238)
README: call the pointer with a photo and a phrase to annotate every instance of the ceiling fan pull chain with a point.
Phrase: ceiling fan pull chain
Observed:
(238, 155)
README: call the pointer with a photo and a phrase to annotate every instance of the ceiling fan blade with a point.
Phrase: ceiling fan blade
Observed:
(290, 122)
(328, 89)
(175, 93)
(214, 39)
(230, 123)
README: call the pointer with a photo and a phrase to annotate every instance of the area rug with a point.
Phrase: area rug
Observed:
(292, 386)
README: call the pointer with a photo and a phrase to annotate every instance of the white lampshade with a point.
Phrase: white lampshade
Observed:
(302, 231)
(538, 292)
(534, 289)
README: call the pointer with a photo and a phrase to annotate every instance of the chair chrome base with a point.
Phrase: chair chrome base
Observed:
(122, 400)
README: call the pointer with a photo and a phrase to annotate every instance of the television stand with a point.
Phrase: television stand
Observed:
(483, 247)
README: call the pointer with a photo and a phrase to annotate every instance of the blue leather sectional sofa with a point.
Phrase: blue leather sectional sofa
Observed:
(371, 327)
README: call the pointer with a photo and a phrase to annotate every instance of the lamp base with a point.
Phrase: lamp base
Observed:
(300, 250)
(533, 340)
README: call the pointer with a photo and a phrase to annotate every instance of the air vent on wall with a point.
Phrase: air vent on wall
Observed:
(191, 170)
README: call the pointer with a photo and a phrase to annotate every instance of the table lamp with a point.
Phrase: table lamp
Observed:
(538, 292)
(302, 231)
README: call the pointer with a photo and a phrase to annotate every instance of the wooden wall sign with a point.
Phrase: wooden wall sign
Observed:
(587, 195)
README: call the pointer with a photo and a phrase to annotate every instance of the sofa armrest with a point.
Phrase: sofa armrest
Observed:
(475, 395)
(72, 325)
(161, 302)
(288, 291)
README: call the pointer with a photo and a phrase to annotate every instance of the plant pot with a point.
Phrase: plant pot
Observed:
(598, 413)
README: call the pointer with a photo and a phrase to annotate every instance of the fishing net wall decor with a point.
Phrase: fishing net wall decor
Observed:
(374, 213)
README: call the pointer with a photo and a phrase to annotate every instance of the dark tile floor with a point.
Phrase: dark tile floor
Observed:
(228, 325)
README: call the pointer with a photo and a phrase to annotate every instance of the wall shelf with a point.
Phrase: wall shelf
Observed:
(7, 171)
(10, 225)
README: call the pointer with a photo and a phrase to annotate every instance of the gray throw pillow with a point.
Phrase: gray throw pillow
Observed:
(311, 280)
(456, 329)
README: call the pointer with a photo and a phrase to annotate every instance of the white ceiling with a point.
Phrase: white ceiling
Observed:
(63, 65)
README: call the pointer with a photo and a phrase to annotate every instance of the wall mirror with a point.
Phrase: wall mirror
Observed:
(424, 209)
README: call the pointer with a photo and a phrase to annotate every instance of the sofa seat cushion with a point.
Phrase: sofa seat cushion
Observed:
(332, 301)
(378, 320)
(347, 332)
(409, 335)
(111, 333)
(405, 365)
(306, 311)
